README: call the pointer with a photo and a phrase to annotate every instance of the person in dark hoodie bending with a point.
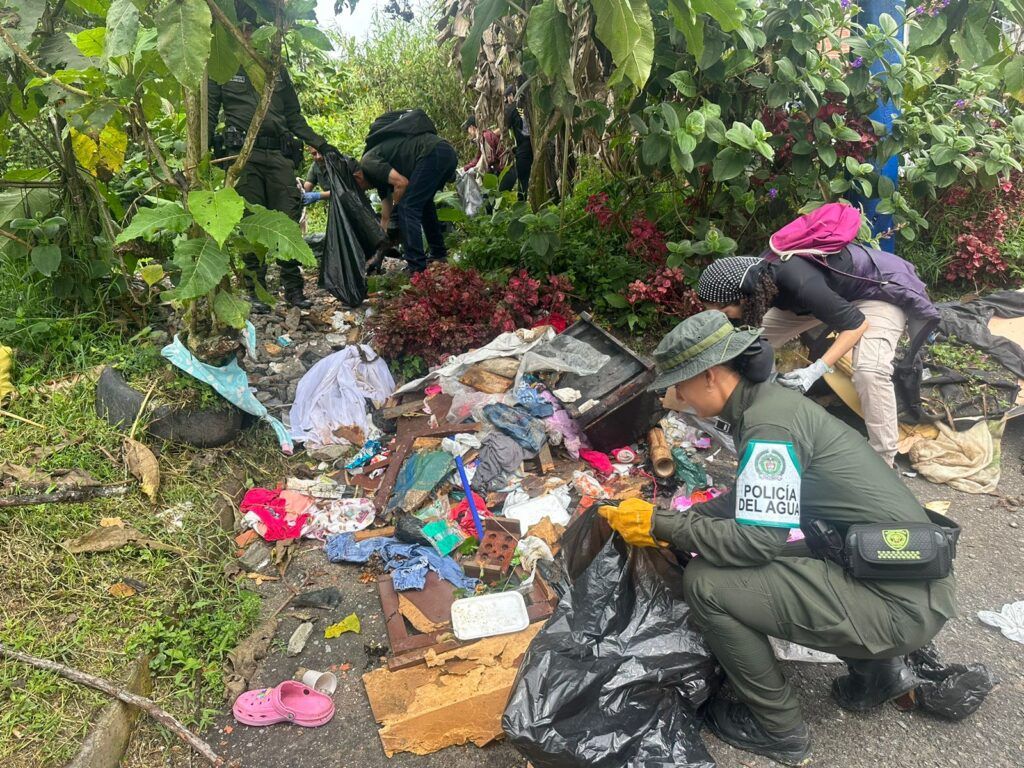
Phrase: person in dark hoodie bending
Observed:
(408, 163)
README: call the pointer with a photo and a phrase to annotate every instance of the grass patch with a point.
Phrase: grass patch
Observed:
(57, 605)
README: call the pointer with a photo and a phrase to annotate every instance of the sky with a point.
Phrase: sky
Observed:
(355, 24)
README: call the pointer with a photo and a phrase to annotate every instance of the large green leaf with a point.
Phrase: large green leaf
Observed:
(547, 35)
(230, 309)
(203, 265)
(216, 212)
(90, 42)
(184, 39)
(927, 30)
(729, 164)
(978, 40)
(149, 223)
(726, 12)
(627, 31)
(1013, 74)
(485, 14)
(690, 24)
(46, 259)
(20, 19)
(122, 28)
(278, 234)
(225, 57)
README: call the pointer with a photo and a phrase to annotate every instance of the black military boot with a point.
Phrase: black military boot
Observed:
(297, 298)
(872, 682)
(735, 724)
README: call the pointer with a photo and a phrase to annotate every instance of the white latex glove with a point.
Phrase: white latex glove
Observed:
(803, 378)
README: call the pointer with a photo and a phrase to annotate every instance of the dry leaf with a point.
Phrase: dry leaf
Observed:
(143, 466)
(23, 475)
(111, 522)
(121, 589)
(74, 478)
(106, 539)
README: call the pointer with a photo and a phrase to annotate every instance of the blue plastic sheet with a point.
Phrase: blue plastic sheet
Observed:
(370, 449)
(517, 424)
(407, 563)
(230, 381)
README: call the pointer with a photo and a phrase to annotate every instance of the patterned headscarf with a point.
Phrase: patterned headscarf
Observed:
(721, 282)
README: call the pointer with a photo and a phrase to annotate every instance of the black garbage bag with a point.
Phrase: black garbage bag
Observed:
(951, 691)
(349, 238)
(618, 676)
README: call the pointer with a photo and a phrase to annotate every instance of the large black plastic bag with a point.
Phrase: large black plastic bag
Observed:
(343, 271)
(617, 676)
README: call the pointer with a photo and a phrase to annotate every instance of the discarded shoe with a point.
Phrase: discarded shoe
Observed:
(289, 702)
(735, 724)
(298, 299)
(257, 306)
(872, 682)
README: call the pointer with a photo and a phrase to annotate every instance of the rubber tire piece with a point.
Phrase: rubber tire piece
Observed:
(118, 404)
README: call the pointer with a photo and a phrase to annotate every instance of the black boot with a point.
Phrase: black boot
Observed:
(872, 682)
(735, 724)
(297, 299)
(258, 307)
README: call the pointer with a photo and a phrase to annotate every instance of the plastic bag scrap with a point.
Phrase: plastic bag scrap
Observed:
(460, 444)
(951, 691)
(616, 676)
(462, 516)
(688, 471)
(1009, 620)
(465, 400)
(517, 424)
(562, 353)
(510, 344)
(230, 382)
(370, 449)
(333, 393)
(528, 512)
(588, 485)
(562, 430)
(407, 563)
(471, 196)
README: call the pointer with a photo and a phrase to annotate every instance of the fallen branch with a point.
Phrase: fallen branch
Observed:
(70, 495)
(146, 705)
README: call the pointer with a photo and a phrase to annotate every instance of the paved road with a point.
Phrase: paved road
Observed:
(991, 572)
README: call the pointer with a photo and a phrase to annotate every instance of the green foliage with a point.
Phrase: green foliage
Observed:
(626, 28)
(183, 39)
(278, 234)
(164, 217)
(203, 265)
(216, 212)
(398, 65)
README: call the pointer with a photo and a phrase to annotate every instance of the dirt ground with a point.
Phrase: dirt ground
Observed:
(990, 567)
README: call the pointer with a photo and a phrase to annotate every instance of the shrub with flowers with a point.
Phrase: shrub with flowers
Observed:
(448, 309)
(978, 255)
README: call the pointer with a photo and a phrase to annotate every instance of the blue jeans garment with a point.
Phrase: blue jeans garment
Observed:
(417, 215)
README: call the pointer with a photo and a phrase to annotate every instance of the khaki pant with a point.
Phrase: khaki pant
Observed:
(872, 364)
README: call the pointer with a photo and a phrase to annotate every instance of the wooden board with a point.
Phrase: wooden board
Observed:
(409, 647)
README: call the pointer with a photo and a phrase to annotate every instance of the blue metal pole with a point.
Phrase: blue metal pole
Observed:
(885, 113)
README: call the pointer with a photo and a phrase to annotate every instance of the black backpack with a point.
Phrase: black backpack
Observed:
(399, 122)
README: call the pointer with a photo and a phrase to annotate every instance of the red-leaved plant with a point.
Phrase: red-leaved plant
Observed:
(977, 258)
(447, 310)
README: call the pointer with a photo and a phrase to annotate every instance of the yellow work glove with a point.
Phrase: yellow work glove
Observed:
(632, 519)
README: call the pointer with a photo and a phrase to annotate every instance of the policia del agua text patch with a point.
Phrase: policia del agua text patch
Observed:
(768, 485)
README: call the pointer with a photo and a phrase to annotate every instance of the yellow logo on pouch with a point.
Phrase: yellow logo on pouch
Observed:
(896, 538)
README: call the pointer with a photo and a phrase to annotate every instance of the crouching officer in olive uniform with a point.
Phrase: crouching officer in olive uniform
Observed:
(798, 466)
(269, 177)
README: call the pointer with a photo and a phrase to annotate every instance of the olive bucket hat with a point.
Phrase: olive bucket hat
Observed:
(698, 343)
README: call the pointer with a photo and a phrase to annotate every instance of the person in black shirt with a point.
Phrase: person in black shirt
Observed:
(519, 127)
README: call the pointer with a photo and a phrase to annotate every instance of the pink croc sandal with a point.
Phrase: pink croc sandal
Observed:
(289, 702)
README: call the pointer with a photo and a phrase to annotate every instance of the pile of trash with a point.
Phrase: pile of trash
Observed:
(471, 496)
